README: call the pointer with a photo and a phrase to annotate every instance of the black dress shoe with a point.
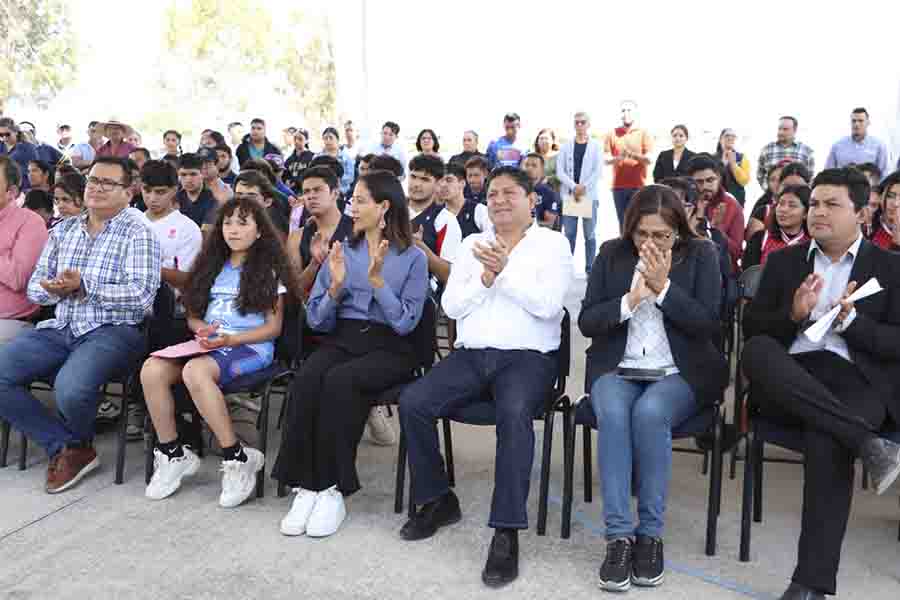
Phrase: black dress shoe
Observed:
(796, 591)
(431, 517)
(882, 458)
(502, 565)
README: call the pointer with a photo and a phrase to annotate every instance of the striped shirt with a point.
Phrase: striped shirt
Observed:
(773, 153)
(120, 273)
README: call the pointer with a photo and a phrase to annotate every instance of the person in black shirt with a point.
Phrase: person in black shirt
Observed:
(477, 169)
(298, 161)
(195, 201)
(255, 186)
(548, 207)
(223, 164)
(470, 149)
(472, 216)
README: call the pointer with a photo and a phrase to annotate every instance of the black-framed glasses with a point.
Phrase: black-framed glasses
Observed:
(254, 197)
(105, 185)
(656, 236)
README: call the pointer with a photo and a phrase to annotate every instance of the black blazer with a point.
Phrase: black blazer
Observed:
(665, 165)
(690, 314)
(873, 336)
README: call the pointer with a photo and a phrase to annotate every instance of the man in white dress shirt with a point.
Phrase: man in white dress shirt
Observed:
(506, 293)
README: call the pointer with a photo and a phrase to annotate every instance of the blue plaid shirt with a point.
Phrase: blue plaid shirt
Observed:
(120, 273)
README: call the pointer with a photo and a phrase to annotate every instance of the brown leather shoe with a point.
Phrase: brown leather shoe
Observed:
(69, 467)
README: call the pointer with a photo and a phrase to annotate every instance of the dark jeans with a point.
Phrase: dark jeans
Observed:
(329, 405)
(518, 382)
(838, 410)
(622, 198)
(80, 365)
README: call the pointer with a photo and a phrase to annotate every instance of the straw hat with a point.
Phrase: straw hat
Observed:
(126, 129)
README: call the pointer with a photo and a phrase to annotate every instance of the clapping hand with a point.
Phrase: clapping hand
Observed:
(376, 262)
(494, 257)
(639, 292)
(318, 249)
(68, 282)
(806, 297)
(845, 304)
(338, 268)
(657, 264)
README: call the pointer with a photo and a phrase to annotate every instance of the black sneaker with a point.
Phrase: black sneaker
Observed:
(648, 567)
(431, 517)
(615, 573)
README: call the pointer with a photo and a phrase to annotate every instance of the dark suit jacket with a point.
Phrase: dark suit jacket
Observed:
(690, 314)
(874, 336)
(665, 165)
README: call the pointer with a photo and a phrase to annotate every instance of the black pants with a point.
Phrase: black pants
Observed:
(519, 383)
(838, 410)
(329, 405)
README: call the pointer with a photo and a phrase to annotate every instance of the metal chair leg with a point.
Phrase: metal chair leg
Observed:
(23, 453)
(758, 459)
(448, 452)
(704, 470)
(865, 477)
(715, 491)
(122, 444)
(746, 503)
(4, 442)
(262, 425)
(149, 444)
(588, 463)
(568, 473)
(545, 473)
(400, 487)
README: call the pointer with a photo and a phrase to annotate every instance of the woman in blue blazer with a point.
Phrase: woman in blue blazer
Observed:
(652, 313)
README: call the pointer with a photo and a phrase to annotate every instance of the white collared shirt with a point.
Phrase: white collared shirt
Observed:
(523, 309)
(837, 277)
(647, 345)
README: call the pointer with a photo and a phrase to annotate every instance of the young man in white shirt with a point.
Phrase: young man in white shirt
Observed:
(506, 293)
(435, 229)
(472, 216)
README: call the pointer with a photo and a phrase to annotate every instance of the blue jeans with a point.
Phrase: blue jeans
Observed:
(81, 365)
(635, 422)
(518, 383)
(622, 198)
(570, 228)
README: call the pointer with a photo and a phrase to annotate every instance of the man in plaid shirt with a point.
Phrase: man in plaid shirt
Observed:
(101, 270)
(786, 147)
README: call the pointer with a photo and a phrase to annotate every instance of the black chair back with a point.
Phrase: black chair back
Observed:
(424, 336)
(564, 354)
(749, 281)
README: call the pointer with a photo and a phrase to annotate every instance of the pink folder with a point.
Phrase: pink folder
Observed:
(183, 350)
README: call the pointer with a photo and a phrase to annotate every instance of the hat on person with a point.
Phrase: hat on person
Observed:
(102, 125)
(276, 160)
(207, 154)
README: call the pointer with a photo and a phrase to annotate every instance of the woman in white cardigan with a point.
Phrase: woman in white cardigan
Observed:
(579, 169)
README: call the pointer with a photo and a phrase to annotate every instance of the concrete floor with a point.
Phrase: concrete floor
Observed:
(106, 541)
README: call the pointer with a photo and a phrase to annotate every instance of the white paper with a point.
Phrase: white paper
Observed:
(817, 330)
(578, 207)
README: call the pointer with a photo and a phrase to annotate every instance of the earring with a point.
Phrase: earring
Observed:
(382, 223)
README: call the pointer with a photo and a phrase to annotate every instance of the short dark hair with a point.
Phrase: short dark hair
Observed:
(223, 148)
(870, 169)
(517, 174)
(392, 126)
(39, 200)
(333, 131)
(258, 121)
(260, 165)
(122, 163)
(511, 117)
(217, 137)
(234, 124)
(73, 185)
(682, 128)
(329, 162)
(159, 173)
(433, 165)
(857, 184)
(366, 158)
(795, 168)
(253, 178)
(191, 161)
(437, 143)
(701, 162)
(534, 155)
(11, 172)
(859, 110)
(385, 187)
(685, 185)
(791, 119)
(173, 132)
(455, 168)
(386, 162)
(478, 162)
(319, 172)
(143, 151)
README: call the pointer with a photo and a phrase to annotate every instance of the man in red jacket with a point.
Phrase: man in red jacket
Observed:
(722, 210)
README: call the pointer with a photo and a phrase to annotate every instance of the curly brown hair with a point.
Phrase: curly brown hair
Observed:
(265, 266)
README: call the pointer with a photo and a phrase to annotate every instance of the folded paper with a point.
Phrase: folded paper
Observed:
(817, 330)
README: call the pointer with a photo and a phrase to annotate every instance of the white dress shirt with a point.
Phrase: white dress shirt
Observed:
(647, 345)
(837, 277)
(523, 309)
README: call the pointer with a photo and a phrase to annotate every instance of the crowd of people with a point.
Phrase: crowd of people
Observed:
(365, 241)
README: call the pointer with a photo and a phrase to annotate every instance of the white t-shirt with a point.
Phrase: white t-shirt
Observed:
(179, 238)
(452, 235)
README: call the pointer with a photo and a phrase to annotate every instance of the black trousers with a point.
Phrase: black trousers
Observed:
(329, 404)
(838, 410)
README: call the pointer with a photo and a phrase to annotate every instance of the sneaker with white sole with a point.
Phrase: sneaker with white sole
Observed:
(379, 427)
(108, 411)
(294, 523)
(328, 513)
(169, 471)
(239, 478)
(137, 413)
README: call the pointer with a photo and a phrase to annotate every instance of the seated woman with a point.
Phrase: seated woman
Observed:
(68, 196)
(886, 220)
(234, 302)
(786, 229)
(652, 313)
(368, 296)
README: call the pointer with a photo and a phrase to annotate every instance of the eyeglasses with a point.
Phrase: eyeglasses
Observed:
(105, 185)
(656, 236)
(255, 197)
(5, 134)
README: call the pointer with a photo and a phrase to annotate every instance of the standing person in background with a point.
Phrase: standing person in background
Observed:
(330, 147)
(115, 133)
(546, 145)
(64, 135)
(579, 171)
(470, 148)
(350, 146)
(784, 147)
(427, 142)
(627, 149)
(220, 190)
(722, 211)
(256, 145)
(674, 162)
(20, 151)
(859, 147)
(298, 161)
(171, 143)
(391, 146)
(223, 164)
(507, 151)
(46, 152)
(83, 153)
(736, 165)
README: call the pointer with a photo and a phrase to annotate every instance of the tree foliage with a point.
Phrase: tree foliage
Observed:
(38, 48)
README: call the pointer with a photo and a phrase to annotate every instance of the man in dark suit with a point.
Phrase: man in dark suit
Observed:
(839, 389)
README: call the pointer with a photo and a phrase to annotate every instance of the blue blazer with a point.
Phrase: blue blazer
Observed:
(690, 314)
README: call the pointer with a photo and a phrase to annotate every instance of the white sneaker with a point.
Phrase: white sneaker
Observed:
(239, 478)
(294, 523)
(379, 427)
(168, 472)
(328, 513)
